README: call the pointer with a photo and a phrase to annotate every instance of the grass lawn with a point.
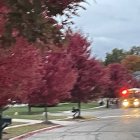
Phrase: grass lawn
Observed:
(13, 132)
(68, 106)
(37, 113)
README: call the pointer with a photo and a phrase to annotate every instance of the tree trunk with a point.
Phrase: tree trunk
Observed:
(79, 107)
(107, 103)
(46, 114)
(29, 109)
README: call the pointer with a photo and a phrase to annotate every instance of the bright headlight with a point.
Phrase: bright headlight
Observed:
(125, 103)
(136, 103)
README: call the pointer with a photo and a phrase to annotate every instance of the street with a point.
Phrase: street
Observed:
(107, 124)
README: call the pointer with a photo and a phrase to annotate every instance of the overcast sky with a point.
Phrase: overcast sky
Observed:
(110, 24)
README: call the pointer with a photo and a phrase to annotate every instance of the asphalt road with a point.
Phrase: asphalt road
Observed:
(111, 124)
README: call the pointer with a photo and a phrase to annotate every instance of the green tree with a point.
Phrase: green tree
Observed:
(115, 56)
(135, 50)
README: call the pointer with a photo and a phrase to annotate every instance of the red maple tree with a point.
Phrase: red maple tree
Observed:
(33, 20)
(21, 70)
(120, 77)
(91, 75)
(57, 82)
(58, 79)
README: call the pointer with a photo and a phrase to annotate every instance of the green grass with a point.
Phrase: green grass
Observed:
(37, 113)
(13, 132)
(16, 123)
(67, 107)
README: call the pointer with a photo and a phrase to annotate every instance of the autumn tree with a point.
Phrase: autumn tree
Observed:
(21, 70)
(89, 69)
(57, 82)
(34, 20)
(29, 23)
(119, 77)
(132, 62)
(91, 80)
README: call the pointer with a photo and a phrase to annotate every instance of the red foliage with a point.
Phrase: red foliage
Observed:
(3, 12)
(78, 46)
(91, 79)
(53, 6)
(120, 77)
(60, 6)
(58, 80)
(21, 70)
(34, 19)
(91, 75)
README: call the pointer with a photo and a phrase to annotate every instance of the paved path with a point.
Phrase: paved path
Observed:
(26, 121)
(116, 124)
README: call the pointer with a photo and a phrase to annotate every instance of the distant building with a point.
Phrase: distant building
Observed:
(137, 75)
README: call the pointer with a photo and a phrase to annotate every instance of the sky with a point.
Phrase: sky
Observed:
(110, 24)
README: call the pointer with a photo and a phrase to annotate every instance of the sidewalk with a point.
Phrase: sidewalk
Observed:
(30, 122)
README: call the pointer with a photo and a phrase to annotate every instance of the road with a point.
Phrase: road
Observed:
(110, 124)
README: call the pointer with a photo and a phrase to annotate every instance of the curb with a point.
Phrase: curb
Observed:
(26, 135)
